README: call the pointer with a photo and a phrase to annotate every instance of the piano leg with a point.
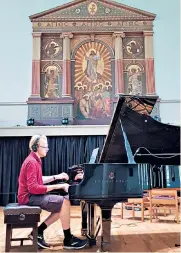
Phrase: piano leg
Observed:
(106, 229)
(83, 205)
(91, 224)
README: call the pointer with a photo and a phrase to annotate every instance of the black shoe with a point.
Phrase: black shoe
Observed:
(40, 241)
(75, 243)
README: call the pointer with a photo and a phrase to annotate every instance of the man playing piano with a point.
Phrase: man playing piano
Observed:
(33, 191)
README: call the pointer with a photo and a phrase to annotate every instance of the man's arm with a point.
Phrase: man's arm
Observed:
(35, 188)
(48, 179)
(64, 187)
(61, 176)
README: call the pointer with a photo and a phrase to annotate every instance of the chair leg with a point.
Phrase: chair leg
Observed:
(151, 213)
(35, 234)
(133, 211)
(164, 211)
(142, 212)
(177, 215)
(8, 238)
(156, 213)
(121, 210)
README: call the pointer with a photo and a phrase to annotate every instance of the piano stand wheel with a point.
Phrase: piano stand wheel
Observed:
(84, 231)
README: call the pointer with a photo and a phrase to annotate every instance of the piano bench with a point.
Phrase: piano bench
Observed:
(21, 216)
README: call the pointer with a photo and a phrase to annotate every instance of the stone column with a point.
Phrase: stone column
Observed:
(66, 83)
(119, 80)
(35, 92)
(149, 63)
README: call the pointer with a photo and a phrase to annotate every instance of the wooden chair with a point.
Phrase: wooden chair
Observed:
(163, 199)
(142, 203)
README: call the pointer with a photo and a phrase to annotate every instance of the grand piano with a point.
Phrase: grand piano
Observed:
(134, 140)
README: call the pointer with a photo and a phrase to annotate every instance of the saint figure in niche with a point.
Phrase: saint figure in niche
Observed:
(134, 82)
(51, 83)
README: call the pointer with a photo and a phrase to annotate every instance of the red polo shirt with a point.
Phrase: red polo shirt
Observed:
(30, 179)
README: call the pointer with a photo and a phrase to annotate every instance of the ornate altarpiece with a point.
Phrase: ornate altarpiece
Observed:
(86, 53)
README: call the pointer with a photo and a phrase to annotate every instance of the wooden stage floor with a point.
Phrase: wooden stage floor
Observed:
(128, 235)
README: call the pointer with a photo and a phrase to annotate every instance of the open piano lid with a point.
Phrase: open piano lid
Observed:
(155, 141)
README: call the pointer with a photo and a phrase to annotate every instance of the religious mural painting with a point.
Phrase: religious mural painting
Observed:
(52, 48)
(85, 54)
(134, 73)
(134, 79)
(51, 81)
(92, 8)
(93, 81)
(51, 74)
(133, 47)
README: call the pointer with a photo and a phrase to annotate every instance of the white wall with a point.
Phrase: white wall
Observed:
(13, 114)
(170, 112)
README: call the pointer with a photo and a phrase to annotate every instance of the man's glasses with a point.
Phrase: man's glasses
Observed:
(44, 147)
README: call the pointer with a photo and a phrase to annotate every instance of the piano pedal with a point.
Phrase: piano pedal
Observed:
(84, 231)
(84, 227)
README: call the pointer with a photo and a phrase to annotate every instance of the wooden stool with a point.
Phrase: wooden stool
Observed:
(21, 216)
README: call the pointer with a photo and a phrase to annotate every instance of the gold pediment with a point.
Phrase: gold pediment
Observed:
(92, 10)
